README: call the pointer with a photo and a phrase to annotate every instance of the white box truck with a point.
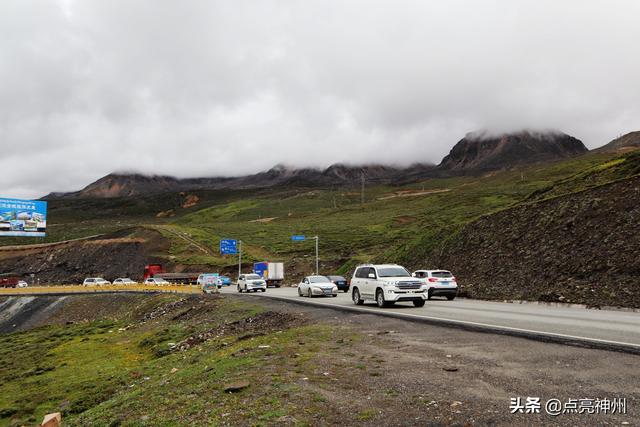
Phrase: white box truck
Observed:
(271, 272)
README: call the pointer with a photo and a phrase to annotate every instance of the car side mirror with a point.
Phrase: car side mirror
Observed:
(371, 276)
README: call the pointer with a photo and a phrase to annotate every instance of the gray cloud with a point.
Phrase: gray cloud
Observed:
(203, 88)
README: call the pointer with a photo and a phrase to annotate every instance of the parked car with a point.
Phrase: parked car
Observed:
(251, 282)
(341, 283)
(124, 281)
(155, 281)
(95, 281)
(312, 286)
(22, 284)
(224, 281)
(386, 284)
(439, 283)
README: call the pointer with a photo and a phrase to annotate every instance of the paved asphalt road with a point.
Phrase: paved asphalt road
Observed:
(558, 323)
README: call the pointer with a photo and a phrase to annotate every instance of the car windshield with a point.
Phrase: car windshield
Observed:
(318, 279)
(392, 272)
(336, 278)
(442, 274)
(252, 276)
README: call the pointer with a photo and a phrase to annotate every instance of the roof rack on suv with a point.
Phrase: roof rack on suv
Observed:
(371, 264)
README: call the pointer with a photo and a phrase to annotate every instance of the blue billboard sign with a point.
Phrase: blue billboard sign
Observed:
(24, 218)
(228, 246)
(298, 238)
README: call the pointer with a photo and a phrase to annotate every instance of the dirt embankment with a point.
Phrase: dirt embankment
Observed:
(122, 254)
(580, 248)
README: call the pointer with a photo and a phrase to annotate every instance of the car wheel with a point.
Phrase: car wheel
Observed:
(429, 294)
(380, 299)
(334, 295)
(309, 293)
(419, 303)
(355, 296)
(263, 290)
(300, 292)
(451, 297)
(245, 289)
(239, 289)
(346, 290)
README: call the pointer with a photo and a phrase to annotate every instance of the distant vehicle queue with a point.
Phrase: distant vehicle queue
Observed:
(383, 284)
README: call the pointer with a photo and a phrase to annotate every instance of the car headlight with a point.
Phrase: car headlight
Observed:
(391, 284)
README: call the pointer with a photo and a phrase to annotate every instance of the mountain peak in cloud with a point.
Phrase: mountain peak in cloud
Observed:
(482, 151)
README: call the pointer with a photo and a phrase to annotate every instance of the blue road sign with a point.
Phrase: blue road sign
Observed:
(228, 246)
(298, 238)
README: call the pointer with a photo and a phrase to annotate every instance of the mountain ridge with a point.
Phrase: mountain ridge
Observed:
(477, 152)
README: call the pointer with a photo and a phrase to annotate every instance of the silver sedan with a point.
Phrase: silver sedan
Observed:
(313, 286)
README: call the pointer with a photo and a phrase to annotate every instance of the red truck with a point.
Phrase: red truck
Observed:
(157, 271)
(9, 280)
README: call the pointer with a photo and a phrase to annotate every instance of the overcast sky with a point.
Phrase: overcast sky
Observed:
(208, 88)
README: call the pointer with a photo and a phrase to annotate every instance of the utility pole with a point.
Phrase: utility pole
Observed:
(317, 263)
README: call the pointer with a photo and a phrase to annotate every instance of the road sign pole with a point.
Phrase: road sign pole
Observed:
(240, 260)
(316, 237)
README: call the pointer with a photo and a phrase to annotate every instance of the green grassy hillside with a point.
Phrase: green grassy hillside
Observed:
(399, 224)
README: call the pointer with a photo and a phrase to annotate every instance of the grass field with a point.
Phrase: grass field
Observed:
(125, 368)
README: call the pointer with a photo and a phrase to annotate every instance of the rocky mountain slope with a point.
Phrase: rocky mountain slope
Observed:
(483, 152)
(128, 185)
(580, 248)
(121, 254)
(630, 140)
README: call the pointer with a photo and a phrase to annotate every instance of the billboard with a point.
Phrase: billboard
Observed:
(25, 218)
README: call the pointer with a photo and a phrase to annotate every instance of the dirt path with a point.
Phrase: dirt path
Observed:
(187, 239)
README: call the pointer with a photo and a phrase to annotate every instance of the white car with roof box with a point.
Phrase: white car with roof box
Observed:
(386, 284)
(439, 283)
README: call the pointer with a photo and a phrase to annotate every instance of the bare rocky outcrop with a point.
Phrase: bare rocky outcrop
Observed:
(578, 248)
(629, 141)
(112, 256)
(478, 152)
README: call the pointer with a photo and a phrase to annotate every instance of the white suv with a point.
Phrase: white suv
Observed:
(439, 283)
(386, 284)
(251, 282)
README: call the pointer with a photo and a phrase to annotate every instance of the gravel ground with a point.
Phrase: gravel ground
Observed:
(426, 375)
